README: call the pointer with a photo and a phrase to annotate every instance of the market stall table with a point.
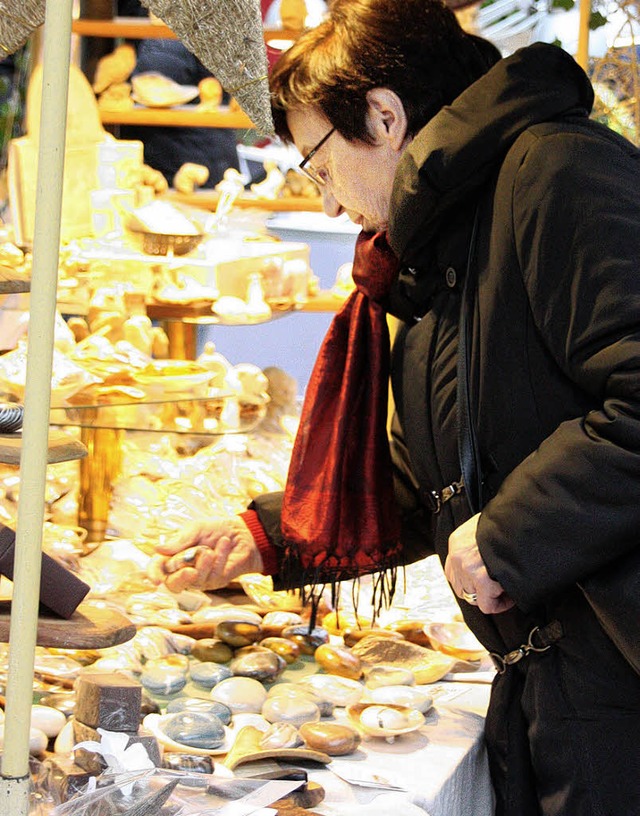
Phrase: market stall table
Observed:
(440, 769)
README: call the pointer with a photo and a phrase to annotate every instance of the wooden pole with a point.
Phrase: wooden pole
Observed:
(15, 782)
(582, 54)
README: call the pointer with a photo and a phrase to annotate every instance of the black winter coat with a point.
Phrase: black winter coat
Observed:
(555, 351)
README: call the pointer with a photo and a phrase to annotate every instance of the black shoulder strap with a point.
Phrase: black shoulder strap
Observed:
(468, 451)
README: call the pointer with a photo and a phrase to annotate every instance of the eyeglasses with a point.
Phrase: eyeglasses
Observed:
(320, 177)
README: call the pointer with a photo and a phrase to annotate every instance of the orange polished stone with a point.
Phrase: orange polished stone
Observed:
(339, 660)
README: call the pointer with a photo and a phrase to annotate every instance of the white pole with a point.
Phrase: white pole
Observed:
(15, 783)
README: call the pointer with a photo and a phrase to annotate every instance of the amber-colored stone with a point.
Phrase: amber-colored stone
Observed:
(339, 660)
(353, 636)
(411, 630)
(238, 633)
(334, 739)
(212, 650)
(285, 647)
(337, 622)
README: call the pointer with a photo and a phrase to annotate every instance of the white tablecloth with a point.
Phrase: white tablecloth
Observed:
(441, 768)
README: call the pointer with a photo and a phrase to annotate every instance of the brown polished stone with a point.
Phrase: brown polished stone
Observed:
(333, 739)
(238, 633)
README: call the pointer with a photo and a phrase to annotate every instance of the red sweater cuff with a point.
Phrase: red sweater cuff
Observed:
(267, 550)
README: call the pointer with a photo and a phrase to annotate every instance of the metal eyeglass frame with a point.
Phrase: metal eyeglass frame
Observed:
(309, 171)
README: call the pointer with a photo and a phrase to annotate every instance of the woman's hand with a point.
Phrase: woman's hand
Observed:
(208, 555)
(467, 574)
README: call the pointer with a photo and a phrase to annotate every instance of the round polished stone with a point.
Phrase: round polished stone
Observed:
(200, 706)
(212, 650)
(334, 739)
(379, 676)
(285, 647)
(341, 691)
(209, 674)
(412, 630)
(238, 633)
(62, 702)
(47, 719)
(409, 696)
(337, 622)
(297, 690)
(308, 641)
(263, 665)
(240, 694)
(338, 660)
(290, 709)
(158, 681)
(192, 728)
(172, 663)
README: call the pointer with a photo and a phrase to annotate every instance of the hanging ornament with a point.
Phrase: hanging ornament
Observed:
(228, 39)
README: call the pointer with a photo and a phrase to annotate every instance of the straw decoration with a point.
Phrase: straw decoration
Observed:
(18, 20)
(228, 39)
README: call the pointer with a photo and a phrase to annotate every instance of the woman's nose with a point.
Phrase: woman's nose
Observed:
(330, 204)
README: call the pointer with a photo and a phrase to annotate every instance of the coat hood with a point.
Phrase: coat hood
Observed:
(462, 146)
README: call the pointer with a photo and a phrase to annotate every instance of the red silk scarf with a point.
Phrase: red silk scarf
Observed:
(339, 517)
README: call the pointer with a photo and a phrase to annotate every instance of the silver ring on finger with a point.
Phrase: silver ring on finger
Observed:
(470, 597)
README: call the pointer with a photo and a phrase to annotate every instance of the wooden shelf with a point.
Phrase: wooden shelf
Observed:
(182, 116)
(208, 200)
(61, 448)
(90, 627)
(201, 311)
(11, 286)
(141, 28)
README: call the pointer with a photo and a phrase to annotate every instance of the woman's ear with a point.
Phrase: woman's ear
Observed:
(386, 117)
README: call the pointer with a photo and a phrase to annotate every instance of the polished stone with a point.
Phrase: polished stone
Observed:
(334, 739)
(264, 665)
(212, 650)
(238, 633)
(200, 706)
(209, 674)
(285, 647)
(338, 660)
(290, 709)
(158, 681)
(192, 728)
(240, 694)
(308, 641)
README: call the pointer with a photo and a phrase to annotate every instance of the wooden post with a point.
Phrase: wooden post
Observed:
(15, 783)
(582, 53)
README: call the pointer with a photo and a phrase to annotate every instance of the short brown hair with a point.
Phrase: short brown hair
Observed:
(414, 47)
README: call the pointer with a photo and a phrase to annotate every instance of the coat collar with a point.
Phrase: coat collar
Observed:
(457, 152)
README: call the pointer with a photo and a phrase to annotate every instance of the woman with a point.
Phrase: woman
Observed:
(487, 170)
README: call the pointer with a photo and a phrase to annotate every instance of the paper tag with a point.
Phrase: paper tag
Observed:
(259, 799)
(365, 777)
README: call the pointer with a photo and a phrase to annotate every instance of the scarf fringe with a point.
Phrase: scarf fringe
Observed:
(312, 582)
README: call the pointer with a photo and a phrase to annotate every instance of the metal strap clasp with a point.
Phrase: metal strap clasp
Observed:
(439, 497)
(548, 636)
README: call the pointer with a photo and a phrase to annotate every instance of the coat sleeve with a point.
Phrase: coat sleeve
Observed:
(573, 505)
